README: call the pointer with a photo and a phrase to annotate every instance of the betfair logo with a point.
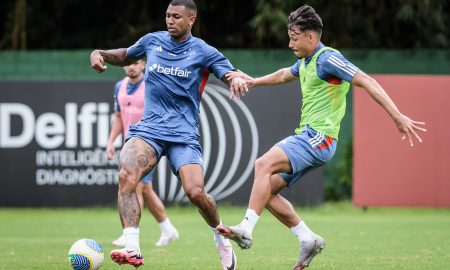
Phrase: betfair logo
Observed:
(174, 71)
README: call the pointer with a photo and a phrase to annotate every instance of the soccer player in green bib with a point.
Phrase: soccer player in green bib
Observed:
(325, 78)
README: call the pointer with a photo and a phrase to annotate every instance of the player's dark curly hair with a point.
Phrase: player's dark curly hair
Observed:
(188, 4)
(305, 18)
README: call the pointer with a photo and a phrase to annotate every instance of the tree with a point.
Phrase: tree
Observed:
(74, 24)
(269, 21)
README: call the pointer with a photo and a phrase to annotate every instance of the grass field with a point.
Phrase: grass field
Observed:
(380, 238)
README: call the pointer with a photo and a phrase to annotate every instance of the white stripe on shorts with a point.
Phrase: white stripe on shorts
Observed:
(317, 140)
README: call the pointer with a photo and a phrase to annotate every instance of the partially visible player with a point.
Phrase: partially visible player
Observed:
(178, 67)
(129, 107)
(325, 78)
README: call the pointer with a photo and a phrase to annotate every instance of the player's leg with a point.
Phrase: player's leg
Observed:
(140, 194)
(192, 179)
(120, 241)
(156, 207)
(274, 161)
(191, 176)
(310, 243)
(136, 159)
(306, 151)
(278, 206)
(151, 199)
(186, 162)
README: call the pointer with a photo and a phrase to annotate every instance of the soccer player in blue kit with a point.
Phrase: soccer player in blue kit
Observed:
(177, 69)
(325, 77)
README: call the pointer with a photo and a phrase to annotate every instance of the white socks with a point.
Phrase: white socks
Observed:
(302, 232)
(166, 225)
(250, 220)
(132, 239)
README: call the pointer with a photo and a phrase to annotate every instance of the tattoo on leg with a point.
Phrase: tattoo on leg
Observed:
(136, 159)
(128, 155)
(129, 209)
(133, 157)
(143, 161)
(150, 152)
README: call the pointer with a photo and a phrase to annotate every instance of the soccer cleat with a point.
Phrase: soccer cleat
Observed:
(120, 242)
(227, 256)
(238, 234)
(309, 249)
(123, 256)
(167, 237)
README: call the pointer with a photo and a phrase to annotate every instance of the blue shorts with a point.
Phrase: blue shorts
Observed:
(178, 154)
(306, 151)
(148, 178)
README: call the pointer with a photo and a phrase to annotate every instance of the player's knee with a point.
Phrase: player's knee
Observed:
(195, 195)
(127, 179)
(262, 165)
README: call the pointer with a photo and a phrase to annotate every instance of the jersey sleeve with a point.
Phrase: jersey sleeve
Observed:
(116, 94)
(336, 65)
(138, 49)
(216, 62)
(295, 69)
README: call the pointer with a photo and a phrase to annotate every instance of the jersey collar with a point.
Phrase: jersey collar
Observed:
(319, 46)
(179, 43)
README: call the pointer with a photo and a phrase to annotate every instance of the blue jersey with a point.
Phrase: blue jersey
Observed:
(175, 76)
(331, 66)
(131, 88)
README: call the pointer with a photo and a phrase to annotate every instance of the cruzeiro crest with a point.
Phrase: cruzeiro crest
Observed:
(229, 139)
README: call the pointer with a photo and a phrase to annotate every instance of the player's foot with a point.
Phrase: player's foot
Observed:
(167, 237)
(238, 234)
(120, 242)
(227, 256)
(123, 256)
(309, 249)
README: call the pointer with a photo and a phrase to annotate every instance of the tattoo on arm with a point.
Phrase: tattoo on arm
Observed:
(117, 57)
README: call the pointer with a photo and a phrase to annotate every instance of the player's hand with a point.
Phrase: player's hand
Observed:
(97, 61)
(249, 80)
(110, 151)
(409, 128)
(238, 88)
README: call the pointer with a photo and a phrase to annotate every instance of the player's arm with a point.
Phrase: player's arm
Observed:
(116, 57)
(116, 129)
(216, 62)
(405, 125)
(280, 76)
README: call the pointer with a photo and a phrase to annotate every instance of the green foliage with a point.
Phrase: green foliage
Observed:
(385, 23)
(270, 18)
(73, 24)
(424, 18)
